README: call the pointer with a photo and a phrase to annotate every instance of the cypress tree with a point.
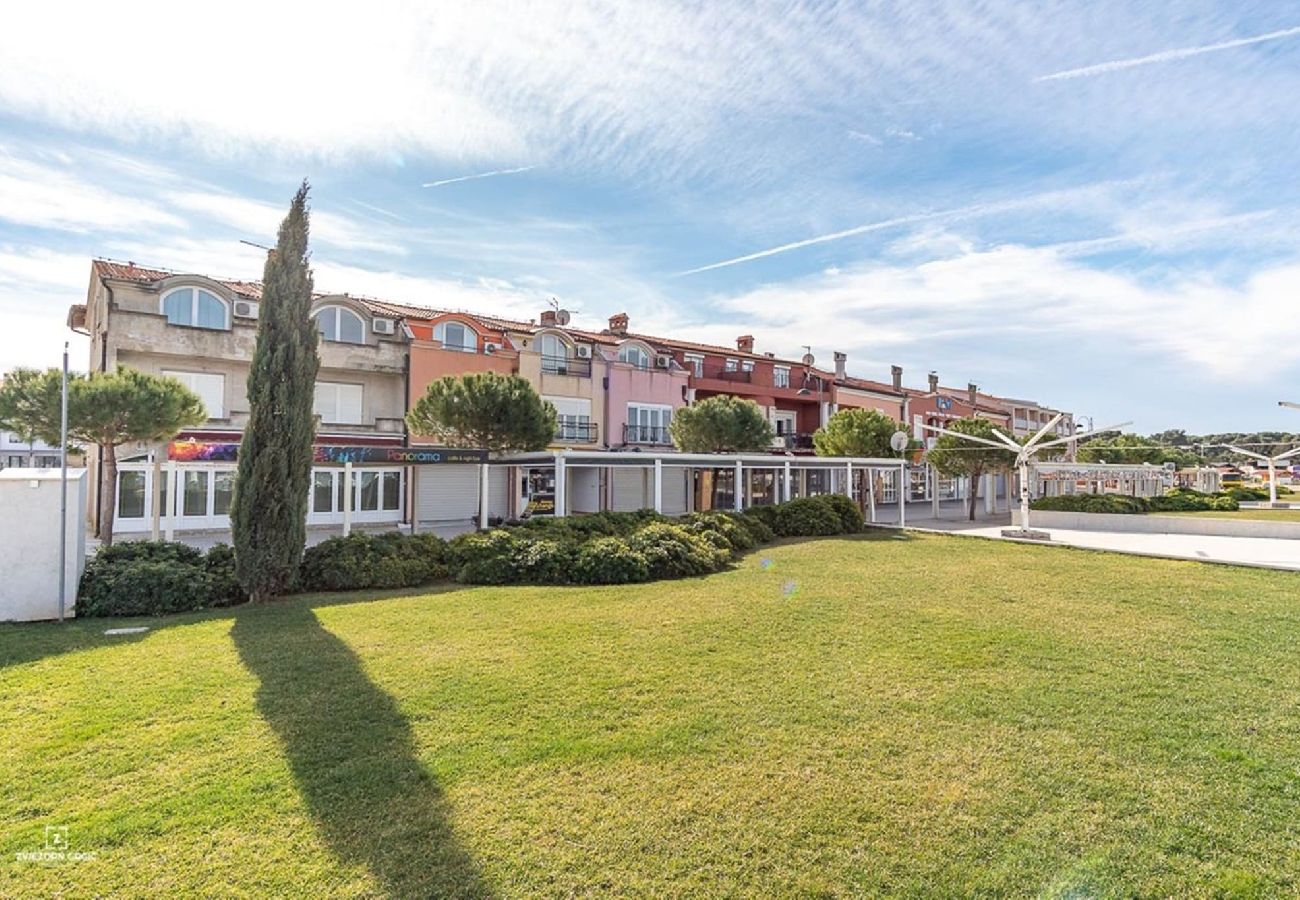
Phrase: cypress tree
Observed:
(269, 511)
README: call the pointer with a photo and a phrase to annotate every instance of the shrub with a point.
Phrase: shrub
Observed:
(542, 561)
(223, 585)
(144, 578)
(673, 551)
(151, 551)
(488, 570)
(479, 546)
(609, 560)
(807, 517)
(364, 560)
(758, 529)
(1177, 500)
(735, 536)
(851, 518)
(765, 514)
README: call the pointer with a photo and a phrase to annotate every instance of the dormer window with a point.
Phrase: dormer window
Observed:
(195, 308)
(634, 355)
(341, 325)
(456, 336)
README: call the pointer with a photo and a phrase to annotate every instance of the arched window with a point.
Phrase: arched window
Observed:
(336, 323)
(555, 353)
(196, 308)
(456, 336)
(635, 355)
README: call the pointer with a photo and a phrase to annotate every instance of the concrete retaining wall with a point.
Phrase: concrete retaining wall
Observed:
(29, 542)
(1158, 524)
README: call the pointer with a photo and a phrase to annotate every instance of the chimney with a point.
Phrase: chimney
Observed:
(896, 373)
(548, 318)
(934, 382)
(618, 323)
(745, 343)
(841, 360)
(971, 390)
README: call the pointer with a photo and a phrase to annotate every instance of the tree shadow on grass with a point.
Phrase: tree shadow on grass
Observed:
(353, 756)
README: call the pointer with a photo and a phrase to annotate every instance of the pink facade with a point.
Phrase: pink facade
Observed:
(641, 403)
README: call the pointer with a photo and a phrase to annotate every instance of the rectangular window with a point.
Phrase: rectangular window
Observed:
(648, 424)
(369, 491)
(322, 492)
(130, 495)
(747, 365)
(392, 498)
(695, 364)
(781, 376)
(223, 491)
(194, 501)
(210, 387)
(729, 365)
(338, 404)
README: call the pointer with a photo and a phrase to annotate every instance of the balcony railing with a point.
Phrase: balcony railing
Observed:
(567, 365)
(793, 441)
(576, 432)
(724, 374)
(653, 435)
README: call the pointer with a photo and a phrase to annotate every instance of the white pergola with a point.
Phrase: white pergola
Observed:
(1272, 466)
(739, 463)
(1025, 453)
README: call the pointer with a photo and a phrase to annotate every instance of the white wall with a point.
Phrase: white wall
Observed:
(29, 542)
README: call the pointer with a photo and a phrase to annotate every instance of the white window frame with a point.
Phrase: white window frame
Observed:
(781, 376)
(334, 387)
(656, 415)
(696, 363)
(472, 336)
(643, 362)
(730, 364)
(194, 307)
(339, 311)
(191, 380)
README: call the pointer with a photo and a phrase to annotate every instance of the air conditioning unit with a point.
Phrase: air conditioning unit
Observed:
(491, 347)
(245, 309)
(383, 326)
(663, 361)
(583, 351)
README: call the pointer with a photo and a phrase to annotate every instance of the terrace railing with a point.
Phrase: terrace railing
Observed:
(652, 435)
(567, 365)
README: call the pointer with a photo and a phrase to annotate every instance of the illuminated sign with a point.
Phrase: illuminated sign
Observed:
(199, 451)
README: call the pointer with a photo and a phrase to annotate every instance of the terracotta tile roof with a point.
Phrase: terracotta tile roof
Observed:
(129, 271)
(867, 384)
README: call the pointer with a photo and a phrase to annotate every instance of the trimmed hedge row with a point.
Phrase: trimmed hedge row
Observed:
(150, 578)
(1176, 500)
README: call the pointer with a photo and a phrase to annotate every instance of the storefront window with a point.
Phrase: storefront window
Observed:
(322, 490)
(392, 490)
(369, 491)
(223, 491)
(130, 495)
(195, 499)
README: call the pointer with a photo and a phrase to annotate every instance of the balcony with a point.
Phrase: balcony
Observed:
(724, 374)
(801, 440)
(567, 432)
(566, 365)
(649, 435)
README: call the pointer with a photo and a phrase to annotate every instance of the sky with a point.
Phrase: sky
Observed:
(1092, 205)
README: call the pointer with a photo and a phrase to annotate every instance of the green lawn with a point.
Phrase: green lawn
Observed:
(918, 715)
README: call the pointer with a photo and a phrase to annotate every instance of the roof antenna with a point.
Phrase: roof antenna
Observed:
(258, 246)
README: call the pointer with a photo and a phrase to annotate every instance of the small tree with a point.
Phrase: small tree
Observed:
(952, 456)
(106, 409)
(499, 413)
(857, 432)
(268, 515)
(722, 424)
(27, 399)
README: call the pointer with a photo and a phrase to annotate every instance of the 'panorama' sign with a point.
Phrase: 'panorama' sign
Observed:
(202, 451)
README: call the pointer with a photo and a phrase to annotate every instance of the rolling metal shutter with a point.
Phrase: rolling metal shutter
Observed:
(447, 494)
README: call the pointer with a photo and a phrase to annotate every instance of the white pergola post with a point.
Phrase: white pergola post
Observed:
(990, 494)
(903, 488)
(173, 492)
(484, 496)
(347, 498)
(932, 478)
(785, 491)
(739, 492)
(155, 497)
(561, 487)
(659, 485)
(848, 480)
(871, 493)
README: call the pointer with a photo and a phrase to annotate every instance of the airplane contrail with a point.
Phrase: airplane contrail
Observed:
(433, 184)
(1166, 56)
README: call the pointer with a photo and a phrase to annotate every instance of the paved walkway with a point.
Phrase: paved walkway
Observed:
(1272, 553)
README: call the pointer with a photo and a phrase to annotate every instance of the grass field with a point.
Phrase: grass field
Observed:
(916, 715)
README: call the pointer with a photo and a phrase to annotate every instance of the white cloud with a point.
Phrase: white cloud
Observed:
(53, 196)
(988, 296)
(1168, 55)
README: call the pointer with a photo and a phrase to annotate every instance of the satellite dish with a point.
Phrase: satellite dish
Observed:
(899, 441)
(809, 359)
(561, 317)
(1171, 466)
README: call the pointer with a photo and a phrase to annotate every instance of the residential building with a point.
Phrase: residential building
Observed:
(18, 453)
(848, 392)
(201, 331)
